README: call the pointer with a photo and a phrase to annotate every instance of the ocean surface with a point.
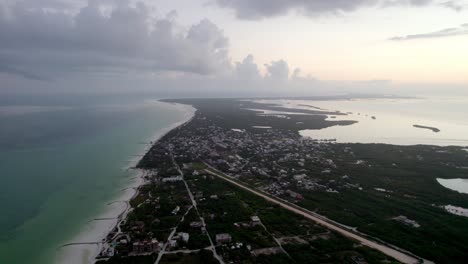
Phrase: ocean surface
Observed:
(391, 121)
(62, 160)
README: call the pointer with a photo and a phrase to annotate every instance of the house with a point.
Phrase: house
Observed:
(146, 246)
(223, 238)
(184, 237)
(295, 195)
(109, 252)
(255, 221)
(181, 236)
(196, 224)
(299, 177)
(155, 245)
(172, 179)
(255, 218)
(172, 243)
(176, 210)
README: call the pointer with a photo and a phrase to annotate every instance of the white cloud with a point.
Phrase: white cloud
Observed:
(277, 71)
(247, 69)
(447, 32)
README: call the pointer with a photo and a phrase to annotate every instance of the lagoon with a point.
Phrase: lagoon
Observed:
(459, 185)
(390, 121)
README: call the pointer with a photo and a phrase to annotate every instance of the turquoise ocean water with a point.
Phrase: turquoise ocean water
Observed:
(62, 160)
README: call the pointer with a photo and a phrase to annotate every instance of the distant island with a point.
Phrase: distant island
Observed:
(434, 129)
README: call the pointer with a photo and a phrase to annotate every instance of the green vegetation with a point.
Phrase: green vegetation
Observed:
(304, 241)
(367, 186)
(198, 239)
(198, 166)
(156, 216)
(229, 113)
(409, 174)
(202, 257)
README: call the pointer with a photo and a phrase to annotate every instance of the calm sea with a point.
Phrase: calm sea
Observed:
(392, 121)
(62, 160)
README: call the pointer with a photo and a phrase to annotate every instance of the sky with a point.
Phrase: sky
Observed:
(211, 48)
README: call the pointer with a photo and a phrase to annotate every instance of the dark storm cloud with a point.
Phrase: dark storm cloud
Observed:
(126, 38)
(448, 32)
(258, 9)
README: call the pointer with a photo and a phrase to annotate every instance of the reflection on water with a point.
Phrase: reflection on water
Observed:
(392, 121)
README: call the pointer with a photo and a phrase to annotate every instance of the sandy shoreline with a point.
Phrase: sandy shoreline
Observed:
(95, 231)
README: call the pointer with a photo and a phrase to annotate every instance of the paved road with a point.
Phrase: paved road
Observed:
(387, 250)
(194, 205)
(163, 250)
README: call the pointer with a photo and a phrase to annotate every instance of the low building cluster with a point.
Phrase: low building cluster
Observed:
(279, 162)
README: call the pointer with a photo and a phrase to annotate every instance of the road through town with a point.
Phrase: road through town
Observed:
(388, 250)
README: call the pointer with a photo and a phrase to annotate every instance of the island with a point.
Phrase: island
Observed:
(433, 129)
(218, 190)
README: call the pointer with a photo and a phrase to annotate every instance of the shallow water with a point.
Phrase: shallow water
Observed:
(392, 121)
(61, 164)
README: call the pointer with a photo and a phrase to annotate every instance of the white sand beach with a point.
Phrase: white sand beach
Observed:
(96, 230)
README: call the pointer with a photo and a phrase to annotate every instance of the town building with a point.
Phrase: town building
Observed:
(223, 238)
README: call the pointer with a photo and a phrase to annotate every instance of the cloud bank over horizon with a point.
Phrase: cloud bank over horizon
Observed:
(261, 9)
(127, 38)
(117, 38)
(118, 45)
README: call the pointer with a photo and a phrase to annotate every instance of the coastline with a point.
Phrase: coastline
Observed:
(390, 126)
(117, 208)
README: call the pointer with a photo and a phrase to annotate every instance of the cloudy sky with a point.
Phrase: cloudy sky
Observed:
(234, 47)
